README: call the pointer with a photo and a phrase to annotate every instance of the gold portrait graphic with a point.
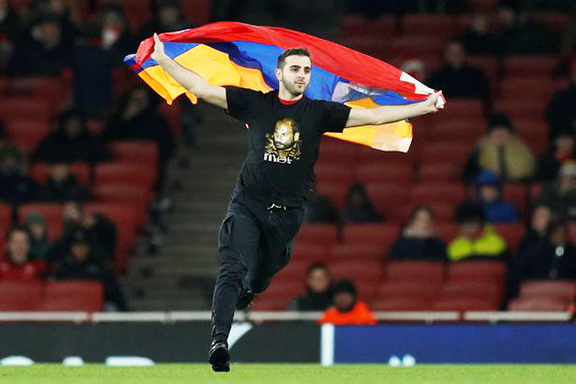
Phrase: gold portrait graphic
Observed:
(285, 141)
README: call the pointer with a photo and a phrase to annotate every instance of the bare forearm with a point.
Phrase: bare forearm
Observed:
(391, 113)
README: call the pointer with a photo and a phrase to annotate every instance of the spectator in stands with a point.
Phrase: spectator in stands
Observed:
(43, 51)
(561, 195)
(71, 143)
(562, 149)
(476, 240)
(347, 308)
(414, 67)
(489, 197)
(15, 187)
(561, 113)
(7, 148)
(418, 240)
(318, 296)
(40, 245)
(477, 39)
(79, 264)
(18, 264)
(9, 30)
(319, 209)
(66, 12)
(542, 216)
(502, 152)
(358, 208)
(100, 232)
(520, 34)
(169, 18)
(113, 31)
(457, 78)
(548, 257)
(62, 185)
(138, 118)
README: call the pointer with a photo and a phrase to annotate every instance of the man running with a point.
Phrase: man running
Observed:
(266, 208)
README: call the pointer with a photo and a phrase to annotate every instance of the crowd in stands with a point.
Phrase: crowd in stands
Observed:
(84, 146)
(482, 209)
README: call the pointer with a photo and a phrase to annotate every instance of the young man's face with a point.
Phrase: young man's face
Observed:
(295, 74)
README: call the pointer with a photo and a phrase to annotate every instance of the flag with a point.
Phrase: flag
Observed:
(244, 55)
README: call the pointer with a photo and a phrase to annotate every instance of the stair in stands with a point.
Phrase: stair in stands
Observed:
(181, 276)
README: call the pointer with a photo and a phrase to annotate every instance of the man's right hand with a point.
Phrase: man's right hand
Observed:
(158, 55)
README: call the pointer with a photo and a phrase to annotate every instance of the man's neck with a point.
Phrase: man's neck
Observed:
(284, 95)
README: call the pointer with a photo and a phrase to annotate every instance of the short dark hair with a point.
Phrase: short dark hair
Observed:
(15, 229)
(315, 266)
(300, 51)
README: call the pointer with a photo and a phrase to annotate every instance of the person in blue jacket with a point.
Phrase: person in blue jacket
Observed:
(489, 197)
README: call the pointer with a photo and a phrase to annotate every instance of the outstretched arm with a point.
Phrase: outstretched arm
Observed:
(391, 113)
(190, 80)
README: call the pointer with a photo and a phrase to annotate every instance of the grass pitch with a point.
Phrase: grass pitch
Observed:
(291, 373)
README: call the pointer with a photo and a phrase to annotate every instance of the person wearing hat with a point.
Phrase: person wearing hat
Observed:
(476, 240)
(501, 152)
(562, 149)
(347, 308)
(561, 195)
(40, 245)
(80, 264)
(489, 197)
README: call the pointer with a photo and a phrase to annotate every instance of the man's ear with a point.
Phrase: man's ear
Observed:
(278, 73)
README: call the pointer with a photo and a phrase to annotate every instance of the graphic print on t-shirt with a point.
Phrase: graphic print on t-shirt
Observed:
(283, 146)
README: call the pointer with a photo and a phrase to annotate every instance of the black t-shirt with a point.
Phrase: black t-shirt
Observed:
(283, 142)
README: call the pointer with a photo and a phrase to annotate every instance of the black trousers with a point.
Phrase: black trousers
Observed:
(254, 244)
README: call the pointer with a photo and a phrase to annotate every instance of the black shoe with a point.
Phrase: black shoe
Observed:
(245, 298)
(219, 356)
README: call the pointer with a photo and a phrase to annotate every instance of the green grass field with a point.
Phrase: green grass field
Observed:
(291, 373)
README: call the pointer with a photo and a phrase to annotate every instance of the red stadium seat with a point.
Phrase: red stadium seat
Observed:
(309, 252)
(24, 107)
(445, 172)
(141, 175)
(489, 291)
(134, 152)
(20, 295)
(371, 233)
(483, 5)
(456, 151)
(5, 215)
(266, 302)
(337, 151)
(40, 172)
(198, 10)
(441, 193)
(440, 26)
(488, 65)
(463, 304)
(537, 305)
(45, 89)
(446, 231)
(320, 234)
(536, 67)
(335, 191)
(449, 129)
(464, 110)
(70, 296)
(401, 305)
(558, 290)
(517, 194)
(555, 21)
(358, 252)
(135, 196)
(512, 233)
(26, 133)
(364, 273)
(389, 199)
(431, 272)
(406, 290)
(334, 173)
(285, 290)
(357, 26)
(295, 271)
(528, 88)
(521, 109)
(417, 44)
(397, 173)
(477, 270)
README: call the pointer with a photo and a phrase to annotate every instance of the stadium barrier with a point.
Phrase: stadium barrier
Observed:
(402, 338)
